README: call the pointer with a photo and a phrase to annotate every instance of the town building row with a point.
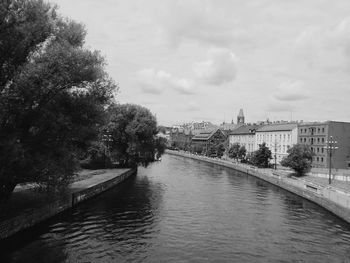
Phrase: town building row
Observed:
(322, 137)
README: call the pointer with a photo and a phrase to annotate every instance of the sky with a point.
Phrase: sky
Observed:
(203, 60)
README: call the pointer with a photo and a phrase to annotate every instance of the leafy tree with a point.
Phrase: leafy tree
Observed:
(233, 151)
(220, 149)
(262, 156)
(133, 129)
(299, 159)
(53, 93)
(242, 152)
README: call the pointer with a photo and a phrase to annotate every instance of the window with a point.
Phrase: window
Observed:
(312, 149)
(322, 140)
(318, 139)
(318, 149)
(304, 139)
(301, 130)
(318, 159)
(301, 139)
(321, 159)
(318, 130)
(322, 150)
(322, 129)
(305, 130)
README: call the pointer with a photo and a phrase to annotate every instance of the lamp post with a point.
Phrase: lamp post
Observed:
(276, 145)
(330, 147)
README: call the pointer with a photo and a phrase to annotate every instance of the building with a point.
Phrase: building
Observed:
(244, 136)
(180, 138)
(202, 141)
(318, 134)
(240, 117)
(278, 138)
(232, 126)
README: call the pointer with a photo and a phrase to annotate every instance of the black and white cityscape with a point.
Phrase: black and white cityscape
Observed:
(174, 131)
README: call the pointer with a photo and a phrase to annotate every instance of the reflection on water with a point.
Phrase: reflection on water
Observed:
(182, 210)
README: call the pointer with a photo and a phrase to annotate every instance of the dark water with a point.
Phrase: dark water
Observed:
(181, 210)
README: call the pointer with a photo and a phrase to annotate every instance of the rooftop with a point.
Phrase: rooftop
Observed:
(204, 135)
(277, 127)
(246, 129)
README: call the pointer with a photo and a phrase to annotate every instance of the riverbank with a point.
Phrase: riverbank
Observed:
(34, 208)
(334, 199)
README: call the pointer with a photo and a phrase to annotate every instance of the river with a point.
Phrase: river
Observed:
(182, 210)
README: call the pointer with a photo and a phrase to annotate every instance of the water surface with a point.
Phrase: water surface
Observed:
(182, 210)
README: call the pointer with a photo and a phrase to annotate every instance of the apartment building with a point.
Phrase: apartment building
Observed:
(244, 136)
(318, 134)
(278, 138)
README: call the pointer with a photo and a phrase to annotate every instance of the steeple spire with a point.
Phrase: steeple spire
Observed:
(240, 117)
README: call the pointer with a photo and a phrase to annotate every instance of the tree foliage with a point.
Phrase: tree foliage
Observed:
(262, 156)
(242, 152)
(133, 129)
(233, 151)
(299, 159)
(53, 94)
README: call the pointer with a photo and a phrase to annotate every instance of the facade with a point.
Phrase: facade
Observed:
(244, 136)
(202, 142)
(278, 138)
(317, 135)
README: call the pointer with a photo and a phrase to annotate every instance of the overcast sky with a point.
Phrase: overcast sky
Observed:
(196, 60)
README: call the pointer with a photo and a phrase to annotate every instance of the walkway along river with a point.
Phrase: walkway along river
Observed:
(183, 210)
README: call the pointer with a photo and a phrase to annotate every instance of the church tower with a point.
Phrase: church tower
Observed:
(240, 117)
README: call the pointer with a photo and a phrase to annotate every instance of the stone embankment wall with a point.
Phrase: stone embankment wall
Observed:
(332, 199)
(32, 217)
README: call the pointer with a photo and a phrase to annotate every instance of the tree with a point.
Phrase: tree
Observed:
(220, 149)
(53, 93)
(233, 151)
(242, 152)
(262, 156)
(299, 159)
(133, 129)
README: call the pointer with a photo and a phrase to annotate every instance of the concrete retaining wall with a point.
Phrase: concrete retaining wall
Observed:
(334, 200)
(32, 217)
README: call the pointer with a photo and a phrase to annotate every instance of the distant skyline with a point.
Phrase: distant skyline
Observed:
(203, 60)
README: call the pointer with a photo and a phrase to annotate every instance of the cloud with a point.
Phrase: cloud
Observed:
(219, 68)
(279, 106)
(192, 106)
(291, 91)
(156, 81)
(325, 47)
(200, 21)
(151, 80)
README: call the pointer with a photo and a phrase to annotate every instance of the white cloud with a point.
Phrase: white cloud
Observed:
(202, 22)
(192, 106)
(219, 68)
(156, 81)
(291, 91)
(326, 48)
(151, 80)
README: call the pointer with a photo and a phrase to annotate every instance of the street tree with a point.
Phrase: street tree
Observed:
(242, 152)
(262, 156)
(299, 159)
(53, 92)
(133, 130)
(233, 151)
